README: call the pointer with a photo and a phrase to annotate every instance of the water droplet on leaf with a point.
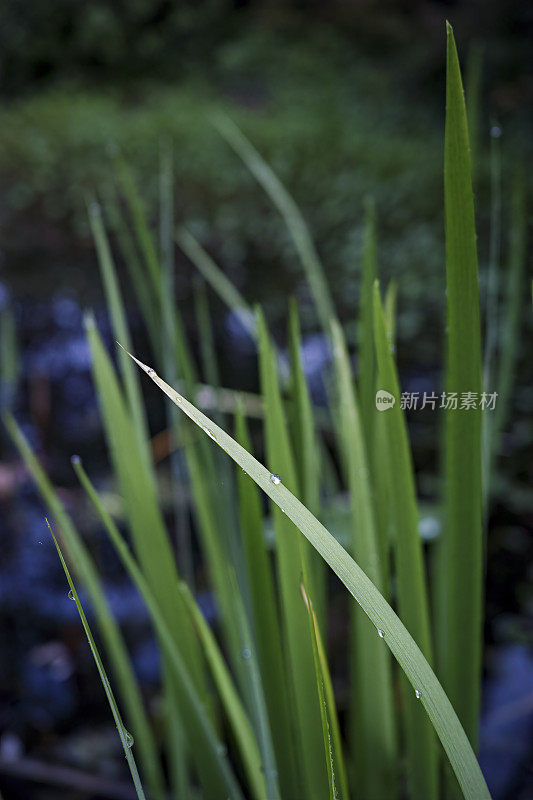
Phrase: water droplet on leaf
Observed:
(246, 653)
(129, 739)
(381, 633)
(209, 433)
(275, 479)
(71, 594)
(418, 694)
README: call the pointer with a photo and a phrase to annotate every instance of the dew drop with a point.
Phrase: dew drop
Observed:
(418, 694)
(75, 460)
(495, 131)
(246, 653)
(71, 595)
(222, 749)
(129, 739)
(381, 633)
(275, 479)
(209, 433)
(150, 372)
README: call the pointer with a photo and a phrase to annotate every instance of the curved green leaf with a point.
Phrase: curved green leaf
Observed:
(422, 678)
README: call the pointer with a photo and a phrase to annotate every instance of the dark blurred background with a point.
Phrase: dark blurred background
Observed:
(345, 100)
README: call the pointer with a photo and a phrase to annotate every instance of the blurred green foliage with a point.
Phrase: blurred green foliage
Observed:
(336, 121)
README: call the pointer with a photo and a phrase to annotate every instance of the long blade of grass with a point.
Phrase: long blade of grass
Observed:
(290, 212)
(139, 280)
(237, 716)
(125, 737)
(307, 454)
(365, 330)
(408, 557)
(112, 638)
(214, 770)
(175, 422)
(326, 735)
(266, 620)
(9, 361)
(206, 335)
(292, 561)
(461, 554)
(137, 211)
(214, 276)
(150, 538)
(373, 736)
(332, 713)
(380, 466)
(120, 325)
(138, 488)
(422, 678)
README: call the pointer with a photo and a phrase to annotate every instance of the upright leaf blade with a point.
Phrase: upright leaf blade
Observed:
(307, 455)
(461, 552)
(408, 557)
(290, 212)
(266, 622)
(365, 328)
(372, 724)
(292, 561)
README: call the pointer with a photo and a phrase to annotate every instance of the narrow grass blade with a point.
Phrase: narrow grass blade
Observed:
(213, 767)
(216, 515)
(461, 552)
(236, 714)
(266, 621)
(417, 670)
(326, 735)
(214, 276)
(175, 422)
(289, 211)
(342, 778)
(137, 211)
(9, 360)
(149, 534)
(112, 638)
(391, 297)
(365, 330)
(292, 561)
(125, 737)
(138, 277)
(206, 335)
(380, 466)
(120, 325)
(307, 454)
(408, 557)
(372, 726)
(138, 488)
